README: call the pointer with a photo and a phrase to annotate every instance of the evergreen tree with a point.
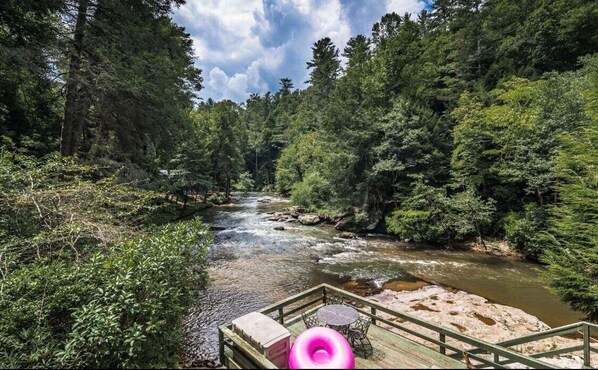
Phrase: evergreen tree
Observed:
(573, 259)
(325, 67)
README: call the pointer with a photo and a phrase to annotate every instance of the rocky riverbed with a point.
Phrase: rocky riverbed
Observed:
(475, 316)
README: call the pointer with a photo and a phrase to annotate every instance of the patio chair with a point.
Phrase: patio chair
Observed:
(310, 320)
(334, 299)
(358, 338)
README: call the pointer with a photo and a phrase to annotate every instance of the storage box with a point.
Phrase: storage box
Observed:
(265, 335)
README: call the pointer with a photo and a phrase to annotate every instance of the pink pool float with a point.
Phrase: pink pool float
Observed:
(321, 348)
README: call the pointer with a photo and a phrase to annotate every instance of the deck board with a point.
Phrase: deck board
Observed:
(394, 351)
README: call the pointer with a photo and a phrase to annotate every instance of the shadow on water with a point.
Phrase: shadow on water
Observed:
(252, 265)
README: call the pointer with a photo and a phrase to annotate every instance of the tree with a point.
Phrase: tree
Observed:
(111, 94)
(221, 123)
(573, 257)
(30, 101)
(357, 51)
(325, 67)
(406, 151)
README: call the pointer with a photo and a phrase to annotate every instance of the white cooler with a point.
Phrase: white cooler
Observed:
(266, 335)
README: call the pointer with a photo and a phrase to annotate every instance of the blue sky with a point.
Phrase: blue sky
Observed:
(246, 46)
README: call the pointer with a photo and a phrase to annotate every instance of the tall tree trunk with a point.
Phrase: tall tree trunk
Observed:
(72, 125)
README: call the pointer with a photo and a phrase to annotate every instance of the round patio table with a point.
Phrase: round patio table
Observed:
(338, 315)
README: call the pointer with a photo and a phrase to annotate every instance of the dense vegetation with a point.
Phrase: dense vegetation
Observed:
(473, 120)
(95, 98)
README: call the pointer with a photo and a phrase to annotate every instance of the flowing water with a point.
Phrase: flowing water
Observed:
(252, 265)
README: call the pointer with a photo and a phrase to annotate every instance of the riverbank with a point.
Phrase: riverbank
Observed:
(476, 316)
(348, 229)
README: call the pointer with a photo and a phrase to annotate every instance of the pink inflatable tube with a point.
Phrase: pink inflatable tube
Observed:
(321, 348)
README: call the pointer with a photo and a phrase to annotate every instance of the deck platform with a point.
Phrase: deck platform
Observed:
(440, 347)
(392, 351)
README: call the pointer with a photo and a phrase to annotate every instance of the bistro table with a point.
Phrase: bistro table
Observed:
(338, 316)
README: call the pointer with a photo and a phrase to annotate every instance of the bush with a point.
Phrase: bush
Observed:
(429, 214)
(525, 231)
(119, 308)
(421, 215)
(245, 183)
(413, 224)
(313, 192)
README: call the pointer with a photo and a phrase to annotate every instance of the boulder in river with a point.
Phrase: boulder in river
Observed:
(296, 209)
(279, 228)
(347, 235)
(362, 224)
(217, 228)
(309, 219)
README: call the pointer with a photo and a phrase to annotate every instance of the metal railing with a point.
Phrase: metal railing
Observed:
(483, 353)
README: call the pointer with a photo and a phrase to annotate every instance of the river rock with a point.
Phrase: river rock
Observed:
(347, 235)
(350, 223)
(472, 315)
(264, 200)
(217, 228)
(297, 209)
(279, 228)
(309, 219)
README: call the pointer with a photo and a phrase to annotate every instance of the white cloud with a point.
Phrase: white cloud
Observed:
(246, 45)
(401, 7)
(233, 88)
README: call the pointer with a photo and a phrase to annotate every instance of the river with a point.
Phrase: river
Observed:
(251, 265)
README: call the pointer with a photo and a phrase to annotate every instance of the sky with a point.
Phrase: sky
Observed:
(247, 46)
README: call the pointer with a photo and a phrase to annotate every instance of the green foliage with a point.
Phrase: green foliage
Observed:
(245, 182)
(119, 308)
(526, 231)
(61, 205)
(87, 277)
(314, 191)
(421, 216)
(430, 214)
(573, 258)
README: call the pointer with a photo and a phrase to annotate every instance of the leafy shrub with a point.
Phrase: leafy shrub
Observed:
(429, 214)
(119, 308)
(421, 216)
(413, 224)
(313, 192)
(525, 231)
(245, 182)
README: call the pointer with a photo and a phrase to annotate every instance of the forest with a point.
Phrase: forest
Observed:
(475, 120)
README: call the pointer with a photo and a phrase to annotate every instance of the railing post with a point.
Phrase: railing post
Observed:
(586, 345)
(442, 340)
(496, 358)
(373, 312)
(280, 313)
(325, 298)
(221, 347)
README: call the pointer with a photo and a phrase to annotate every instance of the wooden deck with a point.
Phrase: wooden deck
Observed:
(392, 351)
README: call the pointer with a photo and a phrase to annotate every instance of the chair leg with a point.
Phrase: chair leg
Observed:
(362, 347)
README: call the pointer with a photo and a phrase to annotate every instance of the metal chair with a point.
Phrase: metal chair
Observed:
(310, 321)
(334, 299)
(357, 335)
